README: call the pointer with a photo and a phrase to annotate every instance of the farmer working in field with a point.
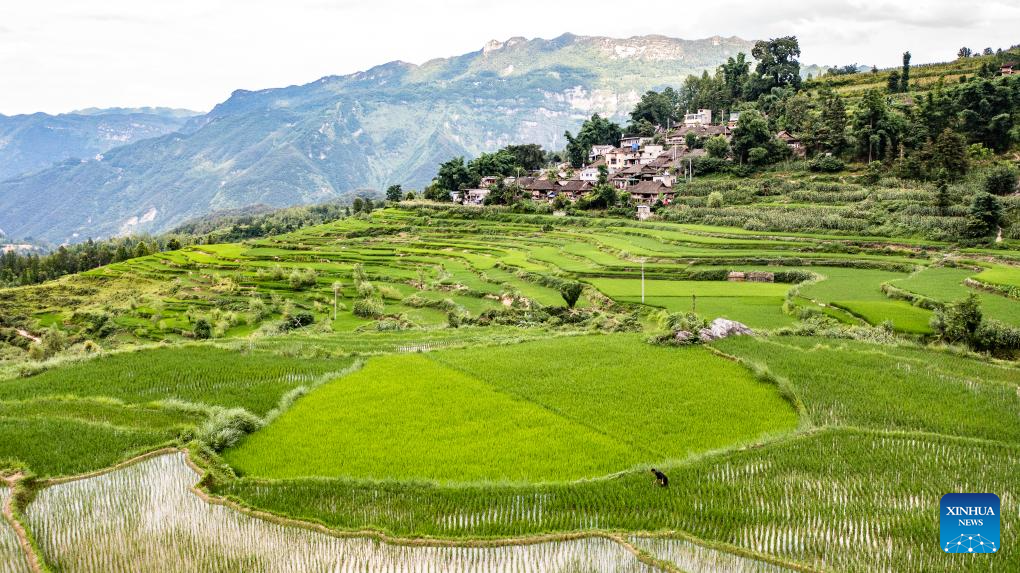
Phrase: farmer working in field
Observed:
(660, 478)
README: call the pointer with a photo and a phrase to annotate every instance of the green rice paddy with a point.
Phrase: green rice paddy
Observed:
(454, 395)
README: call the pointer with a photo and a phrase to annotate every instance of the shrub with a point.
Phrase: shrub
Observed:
(957, 322)
(300, 280)
(1001, 181)
(226, 427)
(715, 200)
(202, 329)
(997, 338)
(298, 319)
(368, 308)
(829, 164)
(570, 292)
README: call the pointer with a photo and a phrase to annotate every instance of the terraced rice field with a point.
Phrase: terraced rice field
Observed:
(145, 519)
(576, 407)
(416, 373)
(12, 559)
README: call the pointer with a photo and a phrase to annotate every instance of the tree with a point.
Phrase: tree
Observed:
(872, 126)
(594, 131)
(893, 85)
(942, 192)
(1001, 180)
(173, 244)
(358, 204)
(141, 249)
(949, 153)
(529, 157)
(718, 147)
(202, 329)
(985, 215)
(830, 130)
(655, 108)
(735, 72)
(777, 65)
(964, 52)
(752, 132)
(905, 74)
(394, 193)
(454, 176)
(499, 164)
(409, 196)
(571, 291)
(958, 321)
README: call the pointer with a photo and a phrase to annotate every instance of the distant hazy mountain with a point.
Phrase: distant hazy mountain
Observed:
(391, 124)
(32, 142)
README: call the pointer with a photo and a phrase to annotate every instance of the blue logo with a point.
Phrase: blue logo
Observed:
(969, 523)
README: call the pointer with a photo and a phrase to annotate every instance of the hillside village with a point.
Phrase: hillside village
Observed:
(645, 168)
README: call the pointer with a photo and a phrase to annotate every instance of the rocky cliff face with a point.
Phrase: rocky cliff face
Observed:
(391, 124)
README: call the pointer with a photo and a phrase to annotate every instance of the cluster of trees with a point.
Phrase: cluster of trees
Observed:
(512, 160)
(24, 268)
(963, 322)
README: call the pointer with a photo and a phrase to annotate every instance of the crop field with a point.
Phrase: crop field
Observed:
(118, 533)
(946, 284)
(411, 390)
(12, 560)
(577, 407)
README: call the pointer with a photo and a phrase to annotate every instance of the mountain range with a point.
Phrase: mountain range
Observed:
(310, 143)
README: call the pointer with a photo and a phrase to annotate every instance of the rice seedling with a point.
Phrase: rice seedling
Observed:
(12, 559)
(857, 384)
(946, 284)
(199, 374)
(145, 518)
(834, 499)
(695, 558)
(62, 446)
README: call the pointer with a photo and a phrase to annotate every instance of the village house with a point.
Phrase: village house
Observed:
(598, 151)
(679, 135)
(1009, 68)
(648, 192)
(574, 189)
(590, 172)
(618, 159)
(702, 117)
(476, 196)
(734, 119)
(795, 145)
(634, 142)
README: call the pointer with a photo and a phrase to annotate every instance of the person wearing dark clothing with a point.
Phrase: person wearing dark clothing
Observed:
(660, 478)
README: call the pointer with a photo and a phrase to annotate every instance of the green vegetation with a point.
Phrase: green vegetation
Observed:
(579, 407)
(474, 401)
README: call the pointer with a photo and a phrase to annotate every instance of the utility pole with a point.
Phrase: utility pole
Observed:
(642, 281)
(336, 287)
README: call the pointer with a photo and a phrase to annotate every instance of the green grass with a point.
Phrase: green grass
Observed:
(578, 407)
(858, 384)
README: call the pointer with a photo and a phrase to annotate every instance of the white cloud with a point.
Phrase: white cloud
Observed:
(58, 55)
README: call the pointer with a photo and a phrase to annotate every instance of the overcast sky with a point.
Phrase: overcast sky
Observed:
(60, 55)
